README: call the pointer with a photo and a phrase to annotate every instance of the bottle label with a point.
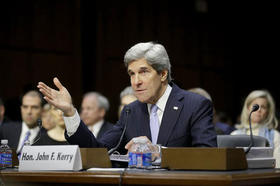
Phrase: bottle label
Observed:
(147, 159)
(132, 159)
(6, 158)
(139, 160)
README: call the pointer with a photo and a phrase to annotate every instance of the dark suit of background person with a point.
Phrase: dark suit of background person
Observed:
(15, 132)
(11, 131)
(106, 126)
(3, 119)
(187, 126)
(220, 126)
(93, 110)
(184, 118)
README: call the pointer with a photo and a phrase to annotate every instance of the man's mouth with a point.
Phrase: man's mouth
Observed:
(140, 90)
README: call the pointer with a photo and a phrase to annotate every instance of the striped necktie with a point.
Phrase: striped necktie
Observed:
(154, 123)
(27, 134)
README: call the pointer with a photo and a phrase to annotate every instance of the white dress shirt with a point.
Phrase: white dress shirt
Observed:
(95, 128)
(161, 103)
(33, 134)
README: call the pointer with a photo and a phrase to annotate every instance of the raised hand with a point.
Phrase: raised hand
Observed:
(60, 98)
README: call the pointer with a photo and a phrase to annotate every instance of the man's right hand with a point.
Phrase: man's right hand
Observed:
(61, 99)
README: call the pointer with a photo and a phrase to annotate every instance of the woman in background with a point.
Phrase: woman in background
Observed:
(47, 119)
(55, 135)
(264, 122)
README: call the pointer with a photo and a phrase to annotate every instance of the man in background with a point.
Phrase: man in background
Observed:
(126, 97)
(221, 127)
(93, 111)
(2, 111)
(17, 133)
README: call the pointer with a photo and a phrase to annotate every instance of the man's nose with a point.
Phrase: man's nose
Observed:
(137, 80)
(29, 109)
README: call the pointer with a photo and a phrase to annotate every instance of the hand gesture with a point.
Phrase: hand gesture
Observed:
(60, 98)
(154, 149)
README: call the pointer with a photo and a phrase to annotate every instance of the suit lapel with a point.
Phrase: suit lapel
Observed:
(102, 130)
(170, 116)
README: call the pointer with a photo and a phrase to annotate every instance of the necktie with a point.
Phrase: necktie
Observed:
(27, 134)
(154, 123)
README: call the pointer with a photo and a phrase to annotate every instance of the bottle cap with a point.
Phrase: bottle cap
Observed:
(4, 141)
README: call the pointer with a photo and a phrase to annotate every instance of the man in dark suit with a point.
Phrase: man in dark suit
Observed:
(18, 132)
(93, 111)
(3, 118)
(164, 113)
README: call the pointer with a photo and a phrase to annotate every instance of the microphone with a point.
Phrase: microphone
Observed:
(127, 111)
(39, 123)
(254, 108)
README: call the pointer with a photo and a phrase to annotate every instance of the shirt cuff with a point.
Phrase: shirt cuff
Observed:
(72, 123)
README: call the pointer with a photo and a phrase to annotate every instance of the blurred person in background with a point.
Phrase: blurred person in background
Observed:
(47, 119)
(55, 135)
(264, 121)
(17, 133)
(2, 111)
(126, 97)
(93, 111)
(221, 127)
(223, 121)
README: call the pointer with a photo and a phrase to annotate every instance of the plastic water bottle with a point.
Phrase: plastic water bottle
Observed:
(141, 154)
(5, 154)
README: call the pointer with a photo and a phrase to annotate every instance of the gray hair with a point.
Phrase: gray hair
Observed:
(155, 54)
(270, 121)
(127, 91)
(201, 92)
(102, 101)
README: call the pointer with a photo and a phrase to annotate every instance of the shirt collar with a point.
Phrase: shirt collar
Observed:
(97, 125)
(33, 131)
(161, 103)
(95, 128)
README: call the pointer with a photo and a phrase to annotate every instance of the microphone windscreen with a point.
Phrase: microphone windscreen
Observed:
(127, 110)
(255, 107)
(39, 122)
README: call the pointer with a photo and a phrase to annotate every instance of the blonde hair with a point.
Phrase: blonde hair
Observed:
(270, 121)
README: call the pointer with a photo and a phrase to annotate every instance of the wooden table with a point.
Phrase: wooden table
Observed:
(142, 177)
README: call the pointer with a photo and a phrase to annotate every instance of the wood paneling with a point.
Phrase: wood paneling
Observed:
(39, 40)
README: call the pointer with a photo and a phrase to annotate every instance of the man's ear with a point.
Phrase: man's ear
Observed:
(102, 112)
(2, 109)
(164, 75)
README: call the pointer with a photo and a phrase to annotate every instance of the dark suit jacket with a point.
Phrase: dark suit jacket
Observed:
(105, 127)
(11, 131)
(186, 122)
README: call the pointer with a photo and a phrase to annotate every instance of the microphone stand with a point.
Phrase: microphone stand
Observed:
(255, 108)
(117, 146)
(39, 122)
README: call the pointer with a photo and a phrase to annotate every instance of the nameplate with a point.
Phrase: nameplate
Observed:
(55, 157)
